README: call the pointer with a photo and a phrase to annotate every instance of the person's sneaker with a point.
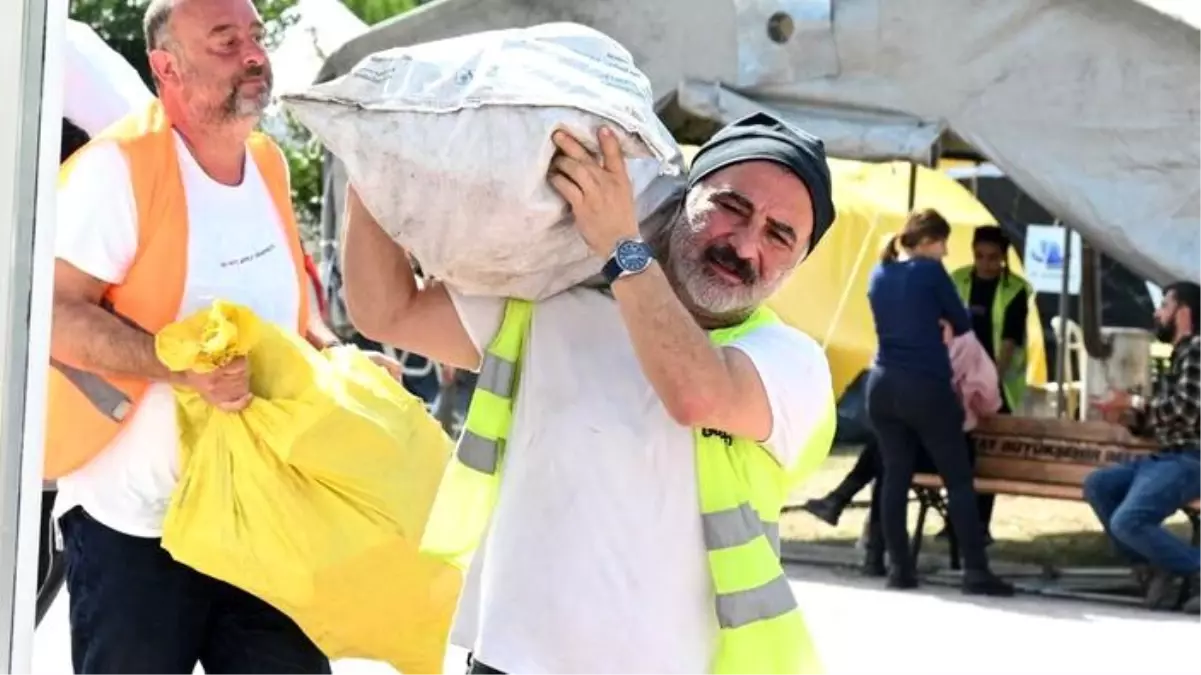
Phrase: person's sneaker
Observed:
(1164, 591)
(827, 509)
(986, 583)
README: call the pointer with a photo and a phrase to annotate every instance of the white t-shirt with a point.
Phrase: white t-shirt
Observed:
(595, 560)
(237, 251)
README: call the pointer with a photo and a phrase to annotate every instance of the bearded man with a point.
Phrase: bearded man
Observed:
(165, 212)
(1132, 500)
(644, 431)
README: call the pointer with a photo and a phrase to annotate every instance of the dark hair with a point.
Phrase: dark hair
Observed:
(1188, 294)
(922, 226)
(991, 234)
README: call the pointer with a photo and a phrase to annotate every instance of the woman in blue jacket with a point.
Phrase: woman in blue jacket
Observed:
(910, 399)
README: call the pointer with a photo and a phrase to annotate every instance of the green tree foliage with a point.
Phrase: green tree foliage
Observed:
(375, 11)
(119, 23)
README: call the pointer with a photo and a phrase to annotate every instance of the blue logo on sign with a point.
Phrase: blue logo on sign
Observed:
(1049, 253)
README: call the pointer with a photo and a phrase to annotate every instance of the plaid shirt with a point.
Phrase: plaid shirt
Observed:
(1174, 413)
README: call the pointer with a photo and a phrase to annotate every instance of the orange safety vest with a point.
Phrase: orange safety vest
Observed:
(85, 410)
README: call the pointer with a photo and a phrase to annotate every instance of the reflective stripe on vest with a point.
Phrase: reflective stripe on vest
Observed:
(463, 504)
(84, 411)
(741, 488)
(107, 399)
(734, 527)
(498, 377)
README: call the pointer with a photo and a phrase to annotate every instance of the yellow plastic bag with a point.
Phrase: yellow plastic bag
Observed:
(315, 496)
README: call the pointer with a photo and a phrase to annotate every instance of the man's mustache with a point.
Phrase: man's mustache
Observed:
(725, 256)
(253, 73)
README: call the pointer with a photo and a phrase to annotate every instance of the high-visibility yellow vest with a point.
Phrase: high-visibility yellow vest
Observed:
(741, 486)
(1013, 380)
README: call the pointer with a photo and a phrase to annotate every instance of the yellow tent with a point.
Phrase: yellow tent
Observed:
(827, 296)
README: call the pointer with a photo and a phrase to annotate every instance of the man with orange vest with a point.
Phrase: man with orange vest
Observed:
(171, 208)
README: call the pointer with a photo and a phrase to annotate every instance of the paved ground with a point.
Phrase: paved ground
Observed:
(862, 628)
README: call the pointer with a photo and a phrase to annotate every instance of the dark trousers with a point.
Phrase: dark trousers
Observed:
(135, 610)
(911, 412)
(867, 470)
(864, 472)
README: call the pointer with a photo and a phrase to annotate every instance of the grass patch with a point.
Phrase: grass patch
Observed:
(1045, 532)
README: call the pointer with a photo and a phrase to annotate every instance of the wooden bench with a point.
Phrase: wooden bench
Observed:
(1034, 457)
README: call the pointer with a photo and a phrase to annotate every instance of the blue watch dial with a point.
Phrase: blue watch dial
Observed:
(632, 256)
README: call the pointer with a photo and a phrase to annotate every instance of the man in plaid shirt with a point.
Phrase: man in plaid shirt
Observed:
(1132, 500)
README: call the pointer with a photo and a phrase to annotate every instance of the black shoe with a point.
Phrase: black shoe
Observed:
(1142, 574)
(1165, 591)
(1193, 605)
(986, 583)
(827, 509)
(901, 580)
(873, 565)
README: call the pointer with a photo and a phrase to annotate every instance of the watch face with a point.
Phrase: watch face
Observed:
(633, 256)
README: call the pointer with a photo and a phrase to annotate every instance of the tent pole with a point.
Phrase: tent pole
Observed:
(1061, 346)
(31, 93)
(912, 186)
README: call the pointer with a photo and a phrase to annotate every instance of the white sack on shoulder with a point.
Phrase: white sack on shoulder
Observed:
(448, 144)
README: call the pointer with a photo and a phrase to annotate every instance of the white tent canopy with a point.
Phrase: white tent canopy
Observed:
(320, 27)
(1091, 108)
(99, 85)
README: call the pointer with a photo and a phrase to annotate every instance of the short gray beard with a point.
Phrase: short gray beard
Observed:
(695, 283)
(239, 107)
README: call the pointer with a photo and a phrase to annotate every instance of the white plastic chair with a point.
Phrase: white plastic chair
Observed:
(1077, 359)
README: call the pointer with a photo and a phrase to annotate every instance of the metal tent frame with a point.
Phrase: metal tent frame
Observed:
(31, 38)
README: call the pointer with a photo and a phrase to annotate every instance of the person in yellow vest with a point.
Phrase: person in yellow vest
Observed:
(638, 442)
(998, 301)
(171, 208)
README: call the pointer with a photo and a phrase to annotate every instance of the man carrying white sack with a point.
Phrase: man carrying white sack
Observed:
(175, 206)
(656, 429)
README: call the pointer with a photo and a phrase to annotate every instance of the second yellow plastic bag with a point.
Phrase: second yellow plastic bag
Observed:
(314, 497)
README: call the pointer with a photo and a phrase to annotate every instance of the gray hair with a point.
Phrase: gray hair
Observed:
(154, 24)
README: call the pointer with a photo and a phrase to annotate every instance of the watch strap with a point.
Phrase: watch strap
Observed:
(612, 270)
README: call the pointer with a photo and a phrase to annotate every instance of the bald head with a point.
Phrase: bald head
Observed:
(208, 59)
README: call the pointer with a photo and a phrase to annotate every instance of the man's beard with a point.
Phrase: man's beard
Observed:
(691, 269)
(1165, 332)
(237, 106)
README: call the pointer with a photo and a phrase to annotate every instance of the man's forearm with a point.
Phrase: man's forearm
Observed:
(687, 372)
(89, 338)
(377, 274)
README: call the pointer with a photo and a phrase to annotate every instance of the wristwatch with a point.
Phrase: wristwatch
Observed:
(630, 256)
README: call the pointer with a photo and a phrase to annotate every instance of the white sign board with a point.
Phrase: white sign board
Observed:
(1044, 259)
